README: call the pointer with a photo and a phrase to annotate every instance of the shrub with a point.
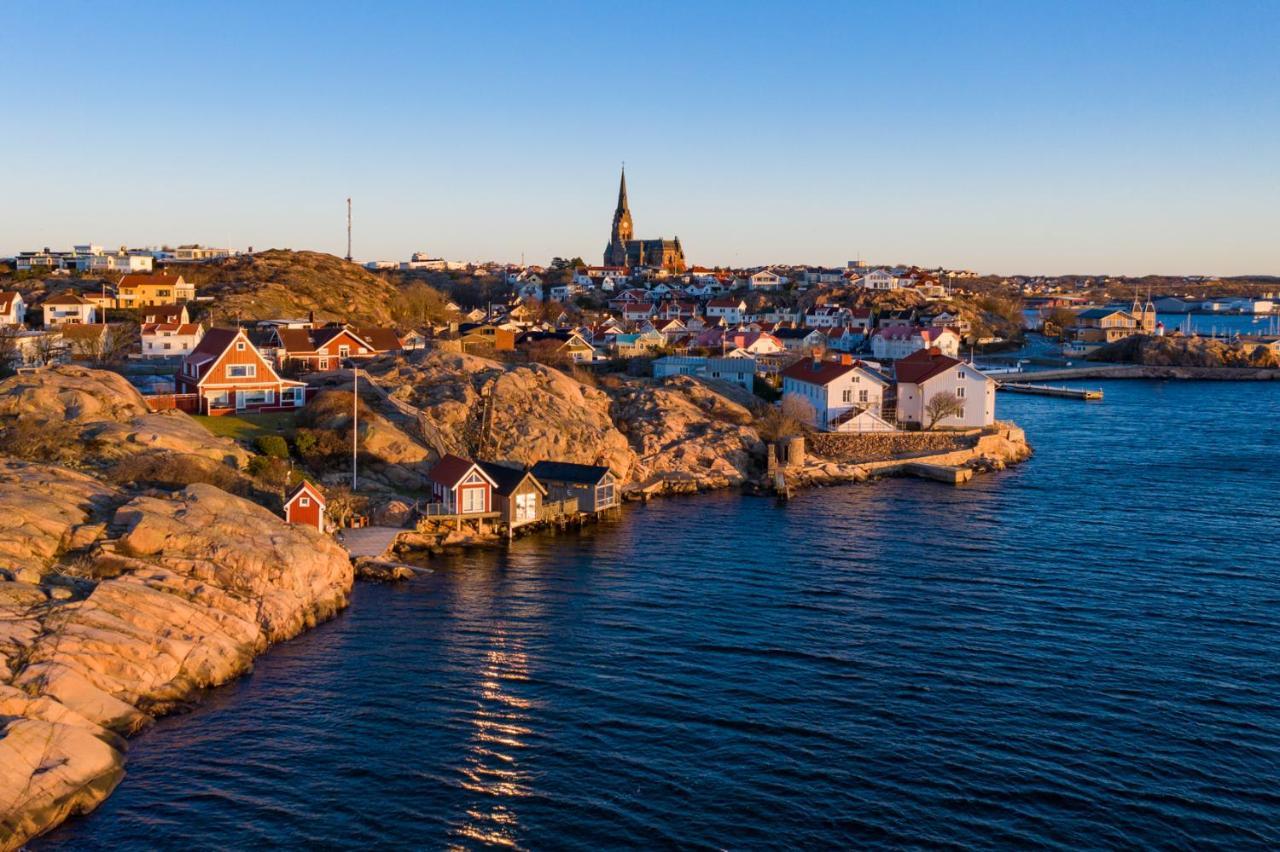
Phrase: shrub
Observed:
(271, 471)
(176, 470)
(272, 445)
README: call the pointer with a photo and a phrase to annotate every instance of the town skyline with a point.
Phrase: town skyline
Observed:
(1088, 140)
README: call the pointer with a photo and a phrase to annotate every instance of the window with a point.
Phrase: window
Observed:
(863, 396)
(242, 371)
(847, 395)
(960, 392)
(304, 502)
(344, 351)
(240, 346)
(324, 363)
(244, 399)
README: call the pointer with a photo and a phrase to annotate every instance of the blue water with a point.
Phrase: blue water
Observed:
(1080, 652)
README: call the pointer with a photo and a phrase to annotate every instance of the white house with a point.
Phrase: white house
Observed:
(170, 339)
(925, 374)
(732, 311)
(13, 310)
(67, 307)
(764, 280)
(838, 391)
(878, 279)
(899, 341)
(119, 262)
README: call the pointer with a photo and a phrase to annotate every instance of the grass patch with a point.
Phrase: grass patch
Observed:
(249, 427)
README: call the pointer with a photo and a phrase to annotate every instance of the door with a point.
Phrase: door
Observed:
(472, 500)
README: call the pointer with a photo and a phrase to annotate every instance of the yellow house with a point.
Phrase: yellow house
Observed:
(144, 291)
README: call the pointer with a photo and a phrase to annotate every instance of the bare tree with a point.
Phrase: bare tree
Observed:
(942, 405)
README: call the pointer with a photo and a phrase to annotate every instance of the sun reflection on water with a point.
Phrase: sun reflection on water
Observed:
(491, 767)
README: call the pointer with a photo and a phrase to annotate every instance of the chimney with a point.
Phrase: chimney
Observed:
(311, 318)
(817, 359)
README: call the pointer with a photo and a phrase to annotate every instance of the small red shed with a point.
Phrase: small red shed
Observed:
(305, 506)
(462, 486)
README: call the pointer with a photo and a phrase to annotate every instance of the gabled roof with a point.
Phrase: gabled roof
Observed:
(213, 344)
(823, 373)
(305, 487)
(582, 474)
(66, 297)
(451, 470)
(6, 300)
(922, 365)
(381, 339)
(508, 479)
(88, 331)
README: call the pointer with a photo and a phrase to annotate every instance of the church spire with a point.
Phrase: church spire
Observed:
(622, 192)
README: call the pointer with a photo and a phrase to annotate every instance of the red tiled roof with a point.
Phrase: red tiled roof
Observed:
(66, 298)
(817, 373)
(922, 365)
(214, 343)
(6, 301)
(450, 470)
(159, 279)
(381, 339)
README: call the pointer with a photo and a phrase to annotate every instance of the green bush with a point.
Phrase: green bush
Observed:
(272, 445)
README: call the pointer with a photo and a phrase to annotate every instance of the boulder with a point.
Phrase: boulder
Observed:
(686, 436)
(524, 413)
(196, 585)
(106, 417)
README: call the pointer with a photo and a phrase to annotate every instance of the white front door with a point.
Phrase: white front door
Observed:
(472, 500)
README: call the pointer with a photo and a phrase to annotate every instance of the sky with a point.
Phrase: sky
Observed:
(1020, 137)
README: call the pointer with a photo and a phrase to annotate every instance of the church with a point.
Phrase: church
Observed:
(622, 250)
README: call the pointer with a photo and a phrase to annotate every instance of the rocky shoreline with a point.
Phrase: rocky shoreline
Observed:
(122, 601)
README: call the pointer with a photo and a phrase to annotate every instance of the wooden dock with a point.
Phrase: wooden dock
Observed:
(1050, 390)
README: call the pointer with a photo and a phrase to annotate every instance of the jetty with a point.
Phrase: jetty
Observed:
(1050, 390)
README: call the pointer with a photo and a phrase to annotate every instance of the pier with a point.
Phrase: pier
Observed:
(1050, 390)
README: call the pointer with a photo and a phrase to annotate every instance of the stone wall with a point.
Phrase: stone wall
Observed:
(880, 446)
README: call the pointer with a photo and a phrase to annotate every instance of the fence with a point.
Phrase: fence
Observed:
(188, 402)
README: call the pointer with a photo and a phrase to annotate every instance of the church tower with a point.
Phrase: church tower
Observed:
(615, 254)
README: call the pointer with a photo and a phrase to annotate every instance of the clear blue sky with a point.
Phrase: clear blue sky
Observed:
(1006, 137)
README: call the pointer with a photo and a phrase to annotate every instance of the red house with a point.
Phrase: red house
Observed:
(462, 486)
(305, 506)
(326, 347)
(230, 375)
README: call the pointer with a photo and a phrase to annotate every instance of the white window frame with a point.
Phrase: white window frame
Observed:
(251, 371)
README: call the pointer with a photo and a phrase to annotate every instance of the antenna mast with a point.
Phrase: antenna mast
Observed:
(348, 229)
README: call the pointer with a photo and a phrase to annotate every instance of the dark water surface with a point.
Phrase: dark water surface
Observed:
(1083, 651)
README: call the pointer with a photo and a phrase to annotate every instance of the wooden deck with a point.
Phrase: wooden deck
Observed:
(373, 542)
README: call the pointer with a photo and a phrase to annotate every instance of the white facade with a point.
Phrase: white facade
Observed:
(168, 340)
(13, 309)
(116, 263)
(764, 280)
(976, 390)
(730, 311)
(62, 310)
(879, 280)
(836, 390)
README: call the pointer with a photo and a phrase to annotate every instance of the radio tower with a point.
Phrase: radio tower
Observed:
(348, 229)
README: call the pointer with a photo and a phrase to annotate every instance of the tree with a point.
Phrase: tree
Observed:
(419, 304)
(10, 352)
(942, 405)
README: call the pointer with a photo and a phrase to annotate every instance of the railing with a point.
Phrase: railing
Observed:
(188, 402)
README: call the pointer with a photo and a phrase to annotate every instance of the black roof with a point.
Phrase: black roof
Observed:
(585, 474)
(508, 478)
